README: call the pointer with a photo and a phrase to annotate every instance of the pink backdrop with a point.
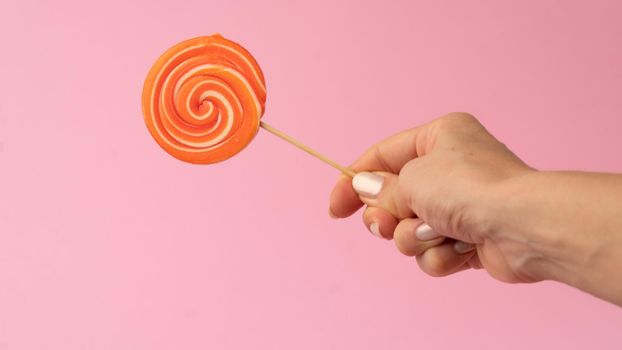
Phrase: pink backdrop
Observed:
(106, 242)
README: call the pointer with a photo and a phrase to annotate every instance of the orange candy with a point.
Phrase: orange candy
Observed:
(203, 99)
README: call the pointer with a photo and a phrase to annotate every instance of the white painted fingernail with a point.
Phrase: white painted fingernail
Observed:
(367, 184)
(463, 247)
(425, 233)
(374, 228)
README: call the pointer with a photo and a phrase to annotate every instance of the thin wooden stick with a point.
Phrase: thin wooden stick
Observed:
(307, 149)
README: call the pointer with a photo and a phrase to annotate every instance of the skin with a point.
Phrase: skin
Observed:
(520, 224)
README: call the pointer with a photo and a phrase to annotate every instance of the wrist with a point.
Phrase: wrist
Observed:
(522, 214)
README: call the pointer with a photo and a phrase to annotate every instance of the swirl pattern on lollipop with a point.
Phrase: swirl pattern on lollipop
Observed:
(203, 99)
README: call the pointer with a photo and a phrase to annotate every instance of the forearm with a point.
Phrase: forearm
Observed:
(571, 225)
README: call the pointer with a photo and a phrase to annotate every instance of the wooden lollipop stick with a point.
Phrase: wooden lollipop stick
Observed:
(307, 149)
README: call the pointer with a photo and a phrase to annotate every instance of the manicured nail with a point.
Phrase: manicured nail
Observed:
(463, 247)
(367, 184)
(374, 228)
(425, 233)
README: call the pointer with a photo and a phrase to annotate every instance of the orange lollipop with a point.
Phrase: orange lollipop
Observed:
(203, 100)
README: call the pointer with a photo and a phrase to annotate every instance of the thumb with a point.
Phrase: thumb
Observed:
(382, 190)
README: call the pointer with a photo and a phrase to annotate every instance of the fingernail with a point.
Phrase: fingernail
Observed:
(330, 213)
(367, 184)
(463, 247)
(425, 233)
(374, 228)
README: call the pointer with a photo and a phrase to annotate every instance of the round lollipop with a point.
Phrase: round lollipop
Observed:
(203, 100)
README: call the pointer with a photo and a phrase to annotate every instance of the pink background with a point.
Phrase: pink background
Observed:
(106, 242)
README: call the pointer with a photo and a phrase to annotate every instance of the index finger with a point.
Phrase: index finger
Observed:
(388, 155)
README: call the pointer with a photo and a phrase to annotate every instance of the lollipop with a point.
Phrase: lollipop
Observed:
(203, 100)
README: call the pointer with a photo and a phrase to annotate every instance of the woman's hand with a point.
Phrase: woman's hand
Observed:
(453, 196)
(430, 190)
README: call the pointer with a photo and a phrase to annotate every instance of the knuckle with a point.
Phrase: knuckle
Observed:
(460, 117)
(410, 174)
(412, 247)
(380, 154)
(420, 248)
(401, 246)
(401, 241)
(407, 172)
(432, 264)
(456, 119)
(402, 235)
(407, 168)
